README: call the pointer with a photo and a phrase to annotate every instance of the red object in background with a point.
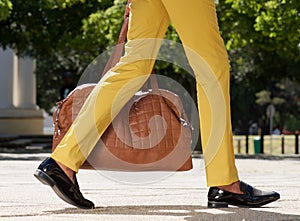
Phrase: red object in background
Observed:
(286, 132)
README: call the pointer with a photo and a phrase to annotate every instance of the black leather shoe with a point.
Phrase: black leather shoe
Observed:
(49, 173)
(252, 197)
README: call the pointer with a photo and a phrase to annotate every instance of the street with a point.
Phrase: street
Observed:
(126, 196)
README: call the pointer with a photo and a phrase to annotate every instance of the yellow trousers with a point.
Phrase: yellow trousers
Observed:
(196, 23)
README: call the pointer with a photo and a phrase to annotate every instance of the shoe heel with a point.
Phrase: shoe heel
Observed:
(214, 204)
(44, 178)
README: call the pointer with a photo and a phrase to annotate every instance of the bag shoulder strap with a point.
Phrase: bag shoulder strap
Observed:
(118, 50)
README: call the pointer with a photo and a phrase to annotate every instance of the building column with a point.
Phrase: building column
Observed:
(26, 84)
(8, 68)
(19, 113)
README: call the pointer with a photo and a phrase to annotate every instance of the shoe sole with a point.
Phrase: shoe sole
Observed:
(214, 204)
(47, 180)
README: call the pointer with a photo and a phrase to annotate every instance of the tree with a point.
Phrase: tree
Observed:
(5, 9)
(271, 25)
(262, 38)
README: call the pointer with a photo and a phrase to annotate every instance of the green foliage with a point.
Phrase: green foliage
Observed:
(262, 38)
(62, 4)
(103, 26)
(264, 98)
(5, 9)
(273, 25)
(40, 28)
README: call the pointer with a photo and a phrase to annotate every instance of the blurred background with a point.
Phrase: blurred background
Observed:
(45, 45)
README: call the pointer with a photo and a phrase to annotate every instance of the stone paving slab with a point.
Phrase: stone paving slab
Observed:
(180, 196)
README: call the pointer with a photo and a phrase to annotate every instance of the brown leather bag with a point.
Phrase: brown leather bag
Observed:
(138, 139)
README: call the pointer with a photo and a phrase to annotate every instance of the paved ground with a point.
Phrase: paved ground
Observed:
(181, 196)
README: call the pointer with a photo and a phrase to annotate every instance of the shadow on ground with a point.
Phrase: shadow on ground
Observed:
(188, 212)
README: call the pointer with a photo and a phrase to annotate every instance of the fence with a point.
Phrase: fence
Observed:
(267, 144)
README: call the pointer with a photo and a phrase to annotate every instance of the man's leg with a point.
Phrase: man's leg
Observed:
(148, 19)
(196, 24)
